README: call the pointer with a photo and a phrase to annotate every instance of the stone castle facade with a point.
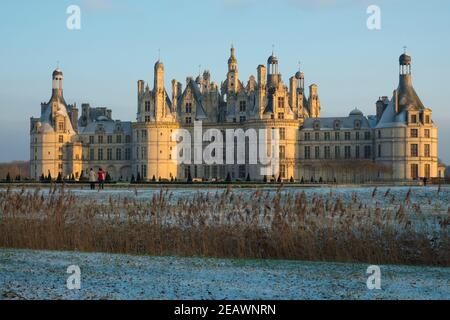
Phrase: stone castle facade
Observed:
(398, 143)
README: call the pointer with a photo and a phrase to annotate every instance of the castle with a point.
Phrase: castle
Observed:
(398, 143)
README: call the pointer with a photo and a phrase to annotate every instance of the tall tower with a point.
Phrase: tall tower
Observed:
(159, 91)
(233, 73)
(51, 137)
(314, 102)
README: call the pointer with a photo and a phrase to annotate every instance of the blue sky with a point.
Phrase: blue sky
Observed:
(119, 41)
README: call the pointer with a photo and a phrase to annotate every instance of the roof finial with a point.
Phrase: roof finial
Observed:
(159, 54)
(299, 66)
(57, 64)
(273, 49)
(405, 49)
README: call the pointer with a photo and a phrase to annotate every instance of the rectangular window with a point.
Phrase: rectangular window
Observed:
(119, 138)
(347, 152)
(147, 119)
(61, 139)
(100, 154)
(282, 152)
(427, 171)
(282, 134)
(337, 152)
(414, 150)
(307, 136)
(242, 119)
(128, 154)
(337, 136)
(281, 103)
(91, 154)
(427, 133)
(317, 152)
(367, 152)
(414, 171)
(118, 154)
(242, 172)
(91, 139)
(357, 152)
(147, 106)
(317, 136)
(414, 133)
(109, 154)
(61, 126)
(242, 106)
(327, 136)
(307, 153)
(414, 118)
(188, 107)
(188, 120)
(100, 139)
(327, 152)
(109, 139)
(357, 136)
(367, 135)
(283, 171)
(281, 115)
(347, 136)
(427, 152)
(427, 119)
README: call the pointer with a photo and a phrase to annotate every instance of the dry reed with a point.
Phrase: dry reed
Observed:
(226, 224)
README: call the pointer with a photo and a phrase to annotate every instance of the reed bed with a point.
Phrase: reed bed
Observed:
(260, 225)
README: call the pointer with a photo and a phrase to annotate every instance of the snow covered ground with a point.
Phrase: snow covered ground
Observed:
(28, 274)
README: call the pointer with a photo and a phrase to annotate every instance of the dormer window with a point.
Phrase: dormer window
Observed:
(316, 125)
(427, 119)
(61, 126)
(357, 124)
(189, 107)
(242, 106)
(413, 118)
(337, 125)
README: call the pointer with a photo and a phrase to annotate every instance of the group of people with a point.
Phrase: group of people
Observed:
(99, 177)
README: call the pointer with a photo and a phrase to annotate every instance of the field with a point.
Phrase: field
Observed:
(398, 225)
(42, 275)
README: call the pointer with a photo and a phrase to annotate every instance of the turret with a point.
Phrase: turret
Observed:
(233, 74)
(273, 75)
(159, 77)
(57, 83)
(407, 96)
(314, 102)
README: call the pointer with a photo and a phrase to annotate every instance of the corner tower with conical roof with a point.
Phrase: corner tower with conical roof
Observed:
(406, 137)
(52, 148)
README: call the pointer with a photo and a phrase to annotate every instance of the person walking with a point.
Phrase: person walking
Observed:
(101, 179)
(92, 179)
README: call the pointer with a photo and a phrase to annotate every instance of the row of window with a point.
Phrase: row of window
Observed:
(415, 171)
(349, 152)
(326, 136)
(119, 154)
(414, 133)
(109, 139)
(415, 150)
